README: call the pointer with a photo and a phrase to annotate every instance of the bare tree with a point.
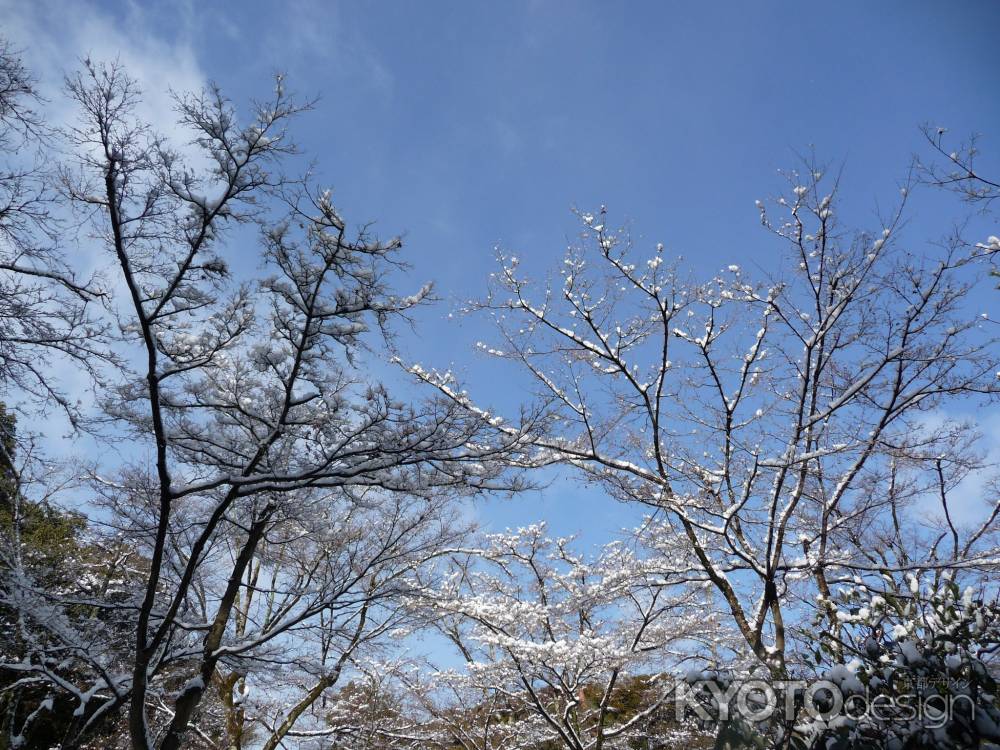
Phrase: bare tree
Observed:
(956, 168)
(44, 313)
(262, 431)
(363, 565)
(960, 171)
(783, 427)
(560, 649)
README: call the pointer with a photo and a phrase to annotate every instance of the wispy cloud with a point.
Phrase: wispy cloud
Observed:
(317, 40)
(55, 36)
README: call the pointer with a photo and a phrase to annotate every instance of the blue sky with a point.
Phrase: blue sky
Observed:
(469, 125)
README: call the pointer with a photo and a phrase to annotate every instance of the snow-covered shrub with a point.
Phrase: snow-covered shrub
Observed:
(914, 667)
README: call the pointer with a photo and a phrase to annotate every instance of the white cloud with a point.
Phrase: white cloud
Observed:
(55, 36)
(312, 36)
(52, 38)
